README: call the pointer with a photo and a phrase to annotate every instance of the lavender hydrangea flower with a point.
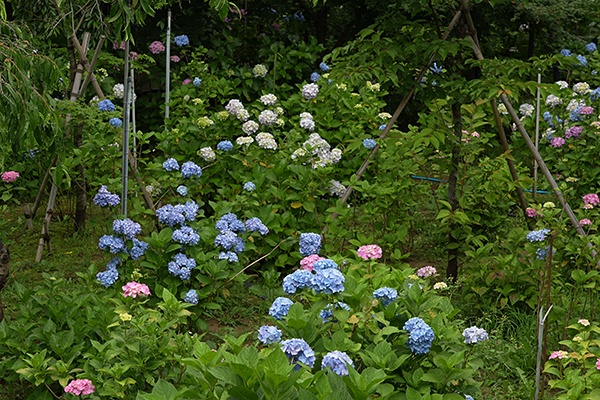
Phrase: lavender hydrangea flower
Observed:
(268, 334)
(591, 47)
(299, 279)
(126, 227)
(227, 240)
(191, 297)
(315, 76)
(197, 81)
(310, 91)
(297, 350)
(225, 145)
(105, 198)
(280, 308)
(386, 295)
(474, 335)
(566, 52)
(582, 60)
(116, 122)
(327, 312)
(328, 281)
(112, 243)
(421, 336)
(186, 235)
(338, 361)
(182, 190)
(310, 243)
(171, 165)
(181, 40)
(106, 105)
(234, 106)
(538, 236)
(256, 225)
(369, 144)
(189, 168)
(267, 118)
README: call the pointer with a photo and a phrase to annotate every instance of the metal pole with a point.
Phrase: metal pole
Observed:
(168, 81)
(538, 369)
(125, 159)
(133, 128)
(537, 135)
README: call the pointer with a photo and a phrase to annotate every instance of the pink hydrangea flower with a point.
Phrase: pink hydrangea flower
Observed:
(134, 289)
(10, 176)
(558, 354)
(133, 55)
(598, 363)
(80, 387)
(585, 221)
(584, 322)
(591, 198)
(574, 132)
(186, 81)
(426, 271)
(156, 47)
(595, 124)
(557, 142)
(371, 251)
(586, 110)
(121, 46)
(532, 212)
(307, 262)
(175, 58)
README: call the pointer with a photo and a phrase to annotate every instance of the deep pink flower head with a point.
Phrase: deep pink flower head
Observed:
(532, 212)
(371, 251)
(598, 363)
(557, 142)
(175, 58)
(307, 262)
(116, 46)
(80, 386)
(156, 47)
(558, 354)
(585, 221)
(10, 176)
(186, 81)
(586, 110)
(591, 198)
(134, 289)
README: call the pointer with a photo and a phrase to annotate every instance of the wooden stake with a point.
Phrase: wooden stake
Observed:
(45, 237)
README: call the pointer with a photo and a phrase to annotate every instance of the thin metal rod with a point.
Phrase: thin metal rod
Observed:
(537, 134)
(168, 68)
(538, 369)
(125, 158)
(399, 110)
(133, 128)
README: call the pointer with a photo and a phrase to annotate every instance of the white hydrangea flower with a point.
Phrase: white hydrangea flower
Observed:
(267, 118)
(118, 90)
(250, 127)
(553, 100)
(268, 99)
(208, 154)
(581, 88)
(259, 70)
(385, 115)
(244, 140)
(306, 115)
(307, 124)
(562, 84)
(243, 115)
(234, 106)
(575, 104)
(204, 122)
(526, 109)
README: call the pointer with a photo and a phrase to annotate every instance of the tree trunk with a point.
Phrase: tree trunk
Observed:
(4, 267)
(452, 269)
(80, 187)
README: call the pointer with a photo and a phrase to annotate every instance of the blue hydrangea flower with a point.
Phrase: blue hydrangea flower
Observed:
(315, 76)
(310, 243)
(582, 60)
(108, 277)
(324, 264)
(421, 336)
(268, 334)
(191, 297)
(256, 225)
(171, 215)
(225, 145)
(369, 144)
(474, 335)
(185, 273)
(591, 47)
(436, 69)
(116, 122)
(299, 16)
(227, 240)
(297, 350)
(105, 198)
(171, 165)
(182, 190)
(538, 236)
(299, 279)
(181, 40)
(386, 295)
(328, 281)
(280, 308)
(189, 168)
(138, 249)
(595, 94)
(114, 263)
(181, 260)
(382, 127)
(186, 235)
(106, 105)
(126, 227)
(542, 253)
(469, 397)
(547, 116)
(324, 67)
(197, 81)
(566, 52)
(329, 81)
(112, 243)
(249, 186)
(229, 217)
(229, 256)
(338, 361)
(240, 245)
(327, 312)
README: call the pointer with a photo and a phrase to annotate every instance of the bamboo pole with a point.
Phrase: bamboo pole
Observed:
(399, 110)
(90, 76)
(86, 64)
(45, 237)
(537, 135)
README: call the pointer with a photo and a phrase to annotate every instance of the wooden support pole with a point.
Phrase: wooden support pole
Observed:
(45, 237)
(399, 110)
(86, 65)
(4, 269)
(90, 76)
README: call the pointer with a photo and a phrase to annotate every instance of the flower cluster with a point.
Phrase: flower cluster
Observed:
(327, 312)
(268, 334)
(134, 289)
(299, 279)
(280, 307)
(420, 336)
(336, 188)
(297, 350)
(319, 150)
(186, 235)
(558, 354)
(440, 285)
(106, 105)
(191, 297)
(171, 164)
(538, 236)
(426, 271)
(370, 251)
(80, 387)
(225, 145)
(310, 243)
(105, 198)
(156, 47)
(250, 127)
(182, 190)
(386, 295)
(267, 118)
(249, 186)
(256, 225)
(526, 109)
(328, 281)
(178, 214)
(126, 227)
(574, 131)
(208, 154)
(116, 122)
(259, 70)
(369, 144)
(182, 266)
(542, 253)
(204, 122)
(474, 335)
(189, 169)
(338, 361)
(181, 40)
(266, 141)
(590, 200)
(10, 176)
(310, 91)
(268, 99)
(308, 262)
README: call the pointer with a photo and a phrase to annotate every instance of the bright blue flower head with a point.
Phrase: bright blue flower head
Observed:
(240, 245)
(256, 225)
(382, 127)
(138, 249)
(595, 94)
(369, 144)
(324, 264)
(582, 60)
(297, 350)
(436, 69)
(338, 361)
(191, 297)
(538, 236)
(116, 122)
(181, 40)
(314, 76)
(547, 116)
(324, 67)
(327, 312)
(108, 277)
(182, 190)
(112, 243)
(106, 105)
(386, 295)
(280, 308)
(421, 336)
(229, 256)
(225, 145)
(249, 186)
(171, 165)
(328, 281)
(189, 168)
(566, 52)
(299, 279)
(126, 227)
(310, 243)
(268, 334)
(197, 81)
(186, 235)
(591, 47)
(105, 198)
(227, 240)
(542, 253)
